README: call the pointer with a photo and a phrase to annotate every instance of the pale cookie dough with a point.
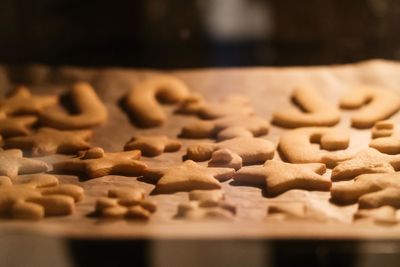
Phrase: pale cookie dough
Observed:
(381, 215)
(13, 163)
(279, 177)
(227, 127)
(143, 99)
(366, 161)
(188, 176)
(382, 129)
(37, 196)
(128, 203)
(375, 104)
(231, 105)
(153, 145)
(315, 111)
(225, 158)
(96, 163)
(90, 110)
(251, 150)
(47, 141)
(23, 102)
(16, 126)
(296, 145)
(372, 190)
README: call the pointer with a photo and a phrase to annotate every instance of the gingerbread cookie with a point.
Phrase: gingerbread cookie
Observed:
(251, 150)
(314, 111)
(227, 127)
(153, 145)
(90, 110)
(382, 215)
(279, 177)
(129, 203)
(37, 196)
(382, 129)
(96, 163)
(375, 104)
(47, 141)
(371, 190)
(16, 126)
(296, 145)
(366, 161)
(188, 176)
(226, 159)
(143, 99)
(13, 163)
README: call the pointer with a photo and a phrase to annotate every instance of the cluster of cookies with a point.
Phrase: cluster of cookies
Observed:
(239, 152)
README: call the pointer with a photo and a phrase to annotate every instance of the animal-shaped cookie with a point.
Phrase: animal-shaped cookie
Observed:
(251, 150)
(296, 145)
(15, 126)
(13, 163)
(188, 176)
(371, 190)
(375, 104)
(227, 127)
(90, 110)
(95, 163)
(153, 145)
(315, 111)
(382, 129)
(366, 161)
(129, 203)
(382, 215)
(37, 196)
(279, 177)
(143, 99)
(47, 141)
(23, 102)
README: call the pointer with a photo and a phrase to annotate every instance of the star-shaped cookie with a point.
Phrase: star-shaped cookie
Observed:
(189, 176)
(96, 163)
(16, 126)
(13, 163)
(47, 141)
(279, 177)
(23, 102)
(153, 145)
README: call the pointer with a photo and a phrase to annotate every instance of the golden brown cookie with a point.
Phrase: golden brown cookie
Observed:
(225, 158)
(16, 126)
(387, 145)
(47, 141)
(153, 145)
(13, 163)
(382, 129)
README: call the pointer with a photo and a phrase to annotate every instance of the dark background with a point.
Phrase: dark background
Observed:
(198, 33)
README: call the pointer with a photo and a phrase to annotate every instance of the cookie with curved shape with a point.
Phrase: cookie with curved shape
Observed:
(315, 111)
(382, 129)
(153, 145)
(225, 158)
(16, 126)
(13, 163)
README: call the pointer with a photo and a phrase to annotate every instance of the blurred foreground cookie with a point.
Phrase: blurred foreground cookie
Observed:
(153, 145)
(90, 110)
(13, 163)
(297, 145)
(279, 177)
(188, 176)
(16, 126)
(314, 110)
(375, 104)
(96, 163)
(143, 99)
(384, 215)
(36, 196)
(47, 141)
(128, 203)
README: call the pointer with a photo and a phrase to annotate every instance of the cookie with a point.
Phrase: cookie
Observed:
(16, 126)
(143, 99)
(387, 145)
(188, 176)
(251, 150)
(47, 141)
(153, 145)
(382, 129)
(23, 102)
(226, 159)
(38, 196)
(13, 163)
(96, 163)
(227, 127)
(374, 104)
(297, 146)
(216, 195)
(313, 111)
(90, 110)
(128, 203)
(279, 177)
(366, 161)
(230, 105)
(384, 215)
(371, 190)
